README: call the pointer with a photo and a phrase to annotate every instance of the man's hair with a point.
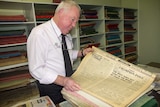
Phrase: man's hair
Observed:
(66, 4)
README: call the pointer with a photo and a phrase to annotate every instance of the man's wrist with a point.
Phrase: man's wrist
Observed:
(82, 53)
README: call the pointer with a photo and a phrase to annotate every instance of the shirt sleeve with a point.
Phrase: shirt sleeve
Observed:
(37, 52)
(74, 54)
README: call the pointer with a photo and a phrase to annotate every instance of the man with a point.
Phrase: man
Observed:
(45, 56)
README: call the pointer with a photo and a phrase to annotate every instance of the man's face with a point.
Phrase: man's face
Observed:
(69, 19)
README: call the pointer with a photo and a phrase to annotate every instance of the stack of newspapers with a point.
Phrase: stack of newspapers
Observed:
(109, 81)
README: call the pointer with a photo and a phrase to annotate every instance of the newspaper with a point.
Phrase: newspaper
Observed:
(108, 80)
(38, 102)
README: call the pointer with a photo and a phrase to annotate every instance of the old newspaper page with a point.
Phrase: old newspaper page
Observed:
(44, 101)
(110, 79)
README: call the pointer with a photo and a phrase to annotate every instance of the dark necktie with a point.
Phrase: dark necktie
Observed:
(67, 60)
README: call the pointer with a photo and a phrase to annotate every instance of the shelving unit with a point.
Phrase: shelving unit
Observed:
(114, 30)
(90, 29)
(130, 35)
(110, 28)
(121, 32)
(91, 26)
(43, 12)
(16, 22)
(14, 31)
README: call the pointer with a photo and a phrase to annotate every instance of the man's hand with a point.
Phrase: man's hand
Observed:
(87, 50)
(84, 52)
(70, 84)
(67, 82)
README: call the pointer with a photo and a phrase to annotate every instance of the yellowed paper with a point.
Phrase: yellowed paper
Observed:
(111, 79)
(44, 101)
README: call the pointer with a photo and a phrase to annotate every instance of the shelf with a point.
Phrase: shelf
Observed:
(96, 34)
(9, 45)
(13, 66)
(16, 23)
(130, 42)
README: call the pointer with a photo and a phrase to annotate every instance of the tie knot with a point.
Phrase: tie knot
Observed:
(62, 34)
(63, 38)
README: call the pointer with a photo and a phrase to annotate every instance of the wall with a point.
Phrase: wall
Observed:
(149, 31)
(129, 3)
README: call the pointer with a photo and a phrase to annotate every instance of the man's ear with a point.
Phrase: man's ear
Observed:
(61, 11)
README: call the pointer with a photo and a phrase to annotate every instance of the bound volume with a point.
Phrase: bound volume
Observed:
(108, 81)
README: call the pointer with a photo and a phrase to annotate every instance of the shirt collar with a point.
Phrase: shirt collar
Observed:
(55, 27)
(58, 31)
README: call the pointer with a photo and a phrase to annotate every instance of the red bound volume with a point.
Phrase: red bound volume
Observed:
(56, 1)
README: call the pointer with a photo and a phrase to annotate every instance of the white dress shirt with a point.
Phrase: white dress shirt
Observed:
(44, 51)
